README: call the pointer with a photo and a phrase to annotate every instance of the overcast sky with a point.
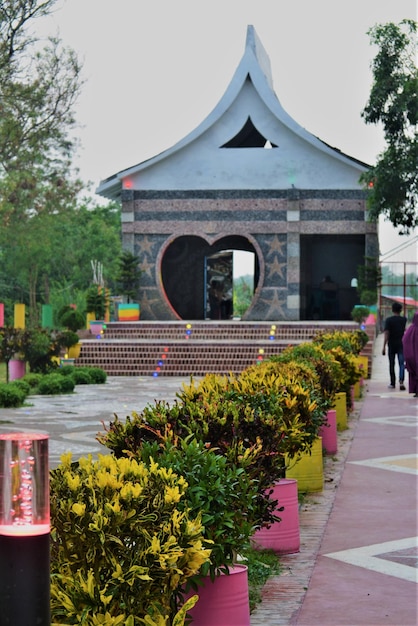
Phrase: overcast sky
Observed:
(154, 69)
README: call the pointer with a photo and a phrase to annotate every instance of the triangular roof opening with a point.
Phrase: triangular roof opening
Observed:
(249, 137)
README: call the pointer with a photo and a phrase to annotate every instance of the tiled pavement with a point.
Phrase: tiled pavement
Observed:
(358, 560)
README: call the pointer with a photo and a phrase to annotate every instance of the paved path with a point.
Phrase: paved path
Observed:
(73, 420)
(358, 560)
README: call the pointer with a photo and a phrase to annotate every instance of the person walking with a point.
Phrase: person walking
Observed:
(393, 333)
(410, 351)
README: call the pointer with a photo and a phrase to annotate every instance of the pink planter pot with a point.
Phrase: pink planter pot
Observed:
(96, 327)
(283, 537)
(225, 601)
(17, 369)
(328, 432)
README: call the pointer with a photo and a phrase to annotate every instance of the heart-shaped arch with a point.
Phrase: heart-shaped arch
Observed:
(185, 276)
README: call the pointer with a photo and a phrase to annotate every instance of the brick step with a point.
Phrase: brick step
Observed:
(166, 348)
(220, 330)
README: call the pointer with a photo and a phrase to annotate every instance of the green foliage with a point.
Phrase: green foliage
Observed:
(67, 338)
(253, 420)
(242, 294)
(129, 275)
(393, 102)
(38, 89)
(97, 375)
(81, 376)
(121, 546)
(39, 349)
(32, 379)
(96, 302)
(369, 278)
(360, 313)
(223, 494)
(11, 395)
(52, 384)
(351, 341)
(22, 384)
(71, 318)
(326, 367)
(262, 564)
(42, 220)
(85, 375)
(62, 381)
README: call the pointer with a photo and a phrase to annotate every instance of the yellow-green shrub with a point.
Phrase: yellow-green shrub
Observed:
(351, 341)
(328, 369)
(121, 546)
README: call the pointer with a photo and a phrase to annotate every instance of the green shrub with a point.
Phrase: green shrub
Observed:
(97, 375)
(66, 370)
(39, 349)
(121, 546)
(52, 384)
(360, 313)
(22, 384)
(71, 318)
(32, 379)
(350, 341)
(67, 338)
(248, 419)
(328, 369)
(81, 376)
(224, 495)
(11, 395)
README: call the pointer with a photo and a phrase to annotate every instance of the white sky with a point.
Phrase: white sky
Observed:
(155, 69)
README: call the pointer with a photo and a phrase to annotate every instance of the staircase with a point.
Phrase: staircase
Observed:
(193, 348)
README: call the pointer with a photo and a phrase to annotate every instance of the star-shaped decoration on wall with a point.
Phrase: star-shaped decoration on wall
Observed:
(275, 304)
(146, 245)
(276, 268)
(147, 304)
(276, 246)
(146, 267)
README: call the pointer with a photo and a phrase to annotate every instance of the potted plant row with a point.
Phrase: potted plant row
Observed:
(231, 438)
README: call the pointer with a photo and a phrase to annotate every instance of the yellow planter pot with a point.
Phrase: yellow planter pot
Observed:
(308, 469)
(74, 351)
(340, 405)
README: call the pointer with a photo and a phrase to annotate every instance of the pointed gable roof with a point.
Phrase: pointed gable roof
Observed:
(248, 116)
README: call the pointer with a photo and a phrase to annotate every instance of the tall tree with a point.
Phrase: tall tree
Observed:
(39, 85)
(393, 102)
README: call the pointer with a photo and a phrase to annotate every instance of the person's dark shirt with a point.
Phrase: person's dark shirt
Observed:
(395, 326)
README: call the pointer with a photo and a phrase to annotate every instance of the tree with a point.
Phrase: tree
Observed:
(393, 101)
(129, 276)
(38, 89)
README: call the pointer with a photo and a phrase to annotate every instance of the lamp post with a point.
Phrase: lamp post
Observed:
(24, 530)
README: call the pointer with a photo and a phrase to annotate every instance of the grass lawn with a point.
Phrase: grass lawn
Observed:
(2, 372)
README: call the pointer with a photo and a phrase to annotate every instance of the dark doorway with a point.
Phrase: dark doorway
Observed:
(183, 271)
(219, 285)
(328, 263)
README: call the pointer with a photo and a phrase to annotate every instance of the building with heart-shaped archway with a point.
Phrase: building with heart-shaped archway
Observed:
(248, 178)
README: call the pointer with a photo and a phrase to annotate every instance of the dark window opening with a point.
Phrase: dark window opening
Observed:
(249, 137)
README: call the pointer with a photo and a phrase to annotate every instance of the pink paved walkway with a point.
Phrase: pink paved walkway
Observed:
(361, 568)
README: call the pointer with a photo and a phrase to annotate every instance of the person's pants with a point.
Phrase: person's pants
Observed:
(392, 354)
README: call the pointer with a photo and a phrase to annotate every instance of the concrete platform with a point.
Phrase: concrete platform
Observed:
(358, 560)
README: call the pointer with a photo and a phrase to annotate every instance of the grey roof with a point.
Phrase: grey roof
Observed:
(255, 65)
